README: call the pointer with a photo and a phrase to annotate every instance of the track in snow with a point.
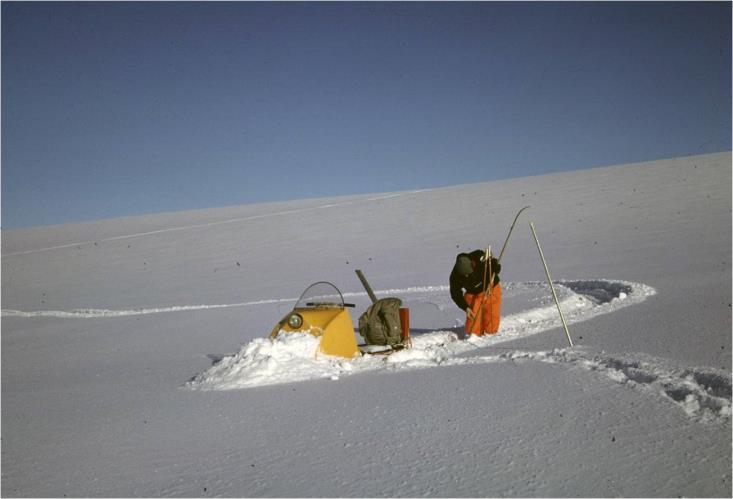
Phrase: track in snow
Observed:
(95, 313)
(430, 305)
(704, 394)
(212, 224)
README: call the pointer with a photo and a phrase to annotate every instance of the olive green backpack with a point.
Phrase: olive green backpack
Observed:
(380, 324)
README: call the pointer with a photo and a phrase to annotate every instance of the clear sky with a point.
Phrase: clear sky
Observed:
(114, 109)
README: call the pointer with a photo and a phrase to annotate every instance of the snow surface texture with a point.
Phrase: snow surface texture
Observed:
(122, 339)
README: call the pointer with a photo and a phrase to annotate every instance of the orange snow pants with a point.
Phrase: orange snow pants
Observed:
(487, 311)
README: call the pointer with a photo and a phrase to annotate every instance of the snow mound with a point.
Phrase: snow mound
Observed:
(287, 358)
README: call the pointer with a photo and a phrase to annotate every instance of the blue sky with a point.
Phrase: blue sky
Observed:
(115, 109)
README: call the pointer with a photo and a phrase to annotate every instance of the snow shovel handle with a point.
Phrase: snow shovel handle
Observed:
(366, 285)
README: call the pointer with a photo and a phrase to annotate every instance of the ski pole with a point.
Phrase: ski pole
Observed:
(510, 232)
(552, 287)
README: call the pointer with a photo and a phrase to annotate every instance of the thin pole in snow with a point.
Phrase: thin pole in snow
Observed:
(510, 232)
(552, 287)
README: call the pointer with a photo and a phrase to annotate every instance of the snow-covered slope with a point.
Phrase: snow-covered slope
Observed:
(126, 345)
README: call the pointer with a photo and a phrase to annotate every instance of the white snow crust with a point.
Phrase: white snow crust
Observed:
(136, 363)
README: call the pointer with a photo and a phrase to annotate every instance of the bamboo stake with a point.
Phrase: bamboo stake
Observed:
(487, 263)
(552, 287)
(491, 283)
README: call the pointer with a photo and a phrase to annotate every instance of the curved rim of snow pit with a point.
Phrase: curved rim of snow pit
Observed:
(290, 358)
(580, 300)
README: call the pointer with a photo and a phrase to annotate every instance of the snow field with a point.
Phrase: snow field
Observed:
(110, 328)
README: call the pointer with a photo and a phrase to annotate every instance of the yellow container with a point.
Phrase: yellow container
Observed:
(321, 312)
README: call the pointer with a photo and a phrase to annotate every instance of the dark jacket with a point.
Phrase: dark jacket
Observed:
(474, 282)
